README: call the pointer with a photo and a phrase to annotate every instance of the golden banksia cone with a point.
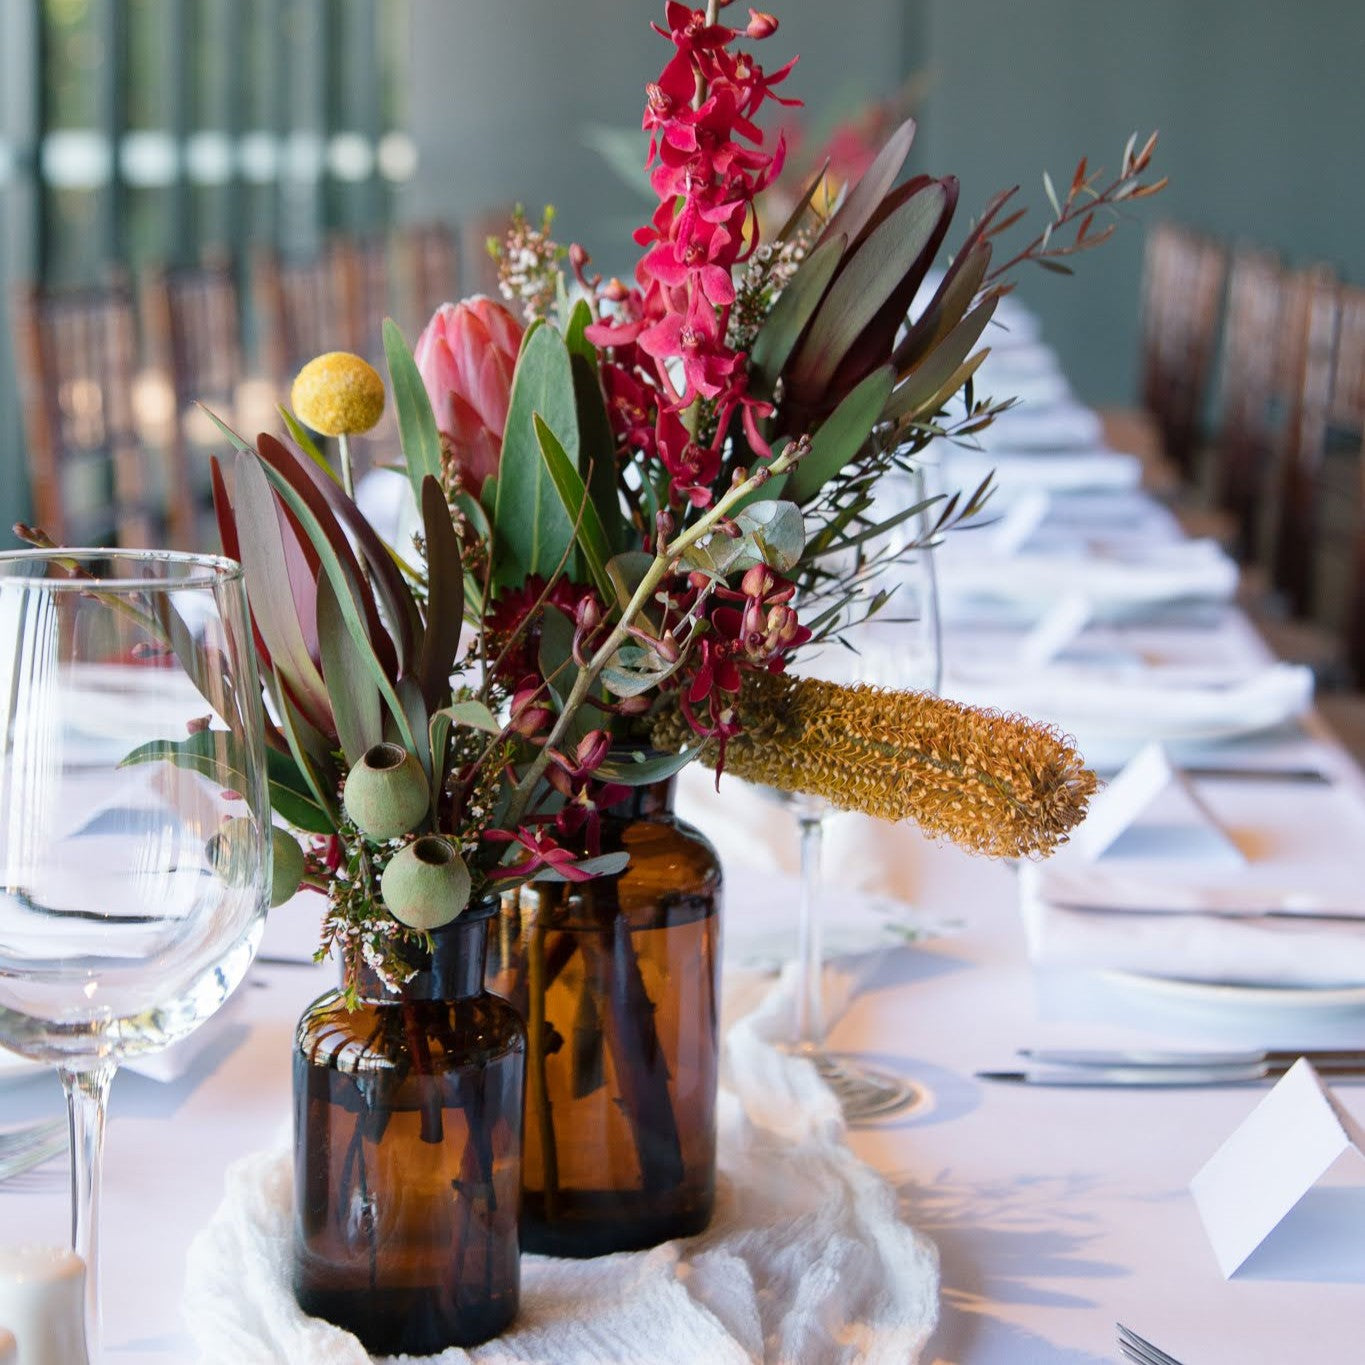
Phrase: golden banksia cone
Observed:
(994, 784)
(338, 394)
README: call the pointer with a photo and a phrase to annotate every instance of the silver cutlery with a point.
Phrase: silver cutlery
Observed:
(1286, 1057)
(21, 1149)
(1140, 1350)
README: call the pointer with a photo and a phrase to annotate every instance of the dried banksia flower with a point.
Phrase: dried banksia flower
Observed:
(993, 784)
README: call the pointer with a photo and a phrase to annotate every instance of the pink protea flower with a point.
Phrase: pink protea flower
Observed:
(466, 356)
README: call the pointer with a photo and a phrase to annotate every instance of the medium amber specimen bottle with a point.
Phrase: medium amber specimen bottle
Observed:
(618, 979)
(407, 1154)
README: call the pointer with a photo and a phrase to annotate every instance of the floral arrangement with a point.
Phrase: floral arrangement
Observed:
(638, 501)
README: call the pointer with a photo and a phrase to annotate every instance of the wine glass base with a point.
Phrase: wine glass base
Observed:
(864, 1092)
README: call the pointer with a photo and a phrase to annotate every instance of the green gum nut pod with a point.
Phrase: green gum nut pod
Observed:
(426, 884)
(233, 856)
(386, 794)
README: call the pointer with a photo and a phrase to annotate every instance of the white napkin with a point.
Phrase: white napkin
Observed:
(1114, 710)
(1062, 472)
(1116, 582)
(1286, 911)
(1043, 427)
(805, 1260)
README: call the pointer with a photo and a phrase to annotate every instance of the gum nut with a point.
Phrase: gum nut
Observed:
(427, 884)
(232, 852)
(386, 793)
(286, 867)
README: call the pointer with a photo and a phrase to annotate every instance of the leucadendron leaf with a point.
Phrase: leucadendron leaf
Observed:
(841, 435)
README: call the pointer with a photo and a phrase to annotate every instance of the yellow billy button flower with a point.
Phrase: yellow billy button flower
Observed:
(338, 394)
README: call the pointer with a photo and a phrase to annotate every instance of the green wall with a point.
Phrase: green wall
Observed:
(1261, 114)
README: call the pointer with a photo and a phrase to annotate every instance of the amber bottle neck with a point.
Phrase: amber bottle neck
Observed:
(453, 970)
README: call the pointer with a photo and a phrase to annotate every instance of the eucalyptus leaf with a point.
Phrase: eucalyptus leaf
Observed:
(603, 865)
(473, 715)
(639, 770)
(531, 531)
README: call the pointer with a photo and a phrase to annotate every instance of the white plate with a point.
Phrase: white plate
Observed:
(15, 1068)
(1252, 999)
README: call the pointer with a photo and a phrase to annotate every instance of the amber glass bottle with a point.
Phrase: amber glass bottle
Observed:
(618, 979)
(407, 1154)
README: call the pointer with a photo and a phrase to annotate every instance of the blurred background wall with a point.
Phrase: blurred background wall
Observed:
(137, 131)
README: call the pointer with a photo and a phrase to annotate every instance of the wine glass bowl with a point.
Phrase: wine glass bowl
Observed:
(134, 816)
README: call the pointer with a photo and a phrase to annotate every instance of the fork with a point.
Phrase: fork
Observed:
(1140, 1351)
(23, 1148)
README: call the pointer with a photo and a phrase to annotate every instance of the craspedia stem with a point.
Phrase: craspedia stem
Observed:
(993, 784)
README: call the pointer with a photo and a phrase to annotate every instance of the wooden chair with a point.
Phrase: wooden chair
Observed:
(477, 266)
(192, 322)
(1307, 362)
(300, 311)
(363, 275)
(77, 354)
(1182, 297)
(1251, 403)
(427, 272)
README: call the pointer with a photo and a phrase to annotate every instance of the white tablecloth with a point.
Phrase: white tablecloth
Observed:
(1056, 1212)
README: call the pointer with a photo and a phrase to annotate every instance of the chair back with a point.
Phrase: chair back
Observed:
(77, 353)
(192, 322)
(1182, 298)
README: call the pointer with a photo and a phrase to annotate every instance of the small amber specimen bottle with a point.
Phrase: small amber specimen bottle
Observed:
(407, 1164)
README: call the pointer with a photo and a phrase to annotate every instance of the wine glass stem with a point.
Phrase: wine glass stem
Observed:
(810, 1013)
(87, 1100)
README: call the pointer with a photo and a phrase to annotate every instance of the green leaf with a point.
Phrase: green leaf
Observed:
(596, 442)
(871, 274)
(310, 753)
(237, 442)
(445, 596)
(304, 440)
(473, 715)
(916, 393)
(603, 865)
(417, 432)
(573, 497)
(842, 435)
(773, 534)
(784, 324)
(635, 670)
(531, 531)
(556, 651)
(355, 699)
(637, 770)
(626, 572)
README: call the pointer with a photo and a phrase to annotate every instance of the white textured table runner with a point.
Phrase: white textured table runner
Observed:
(806, 1260)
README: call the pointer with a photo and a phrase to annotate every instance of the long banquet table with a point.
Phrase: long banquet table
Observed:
(1056, 1211)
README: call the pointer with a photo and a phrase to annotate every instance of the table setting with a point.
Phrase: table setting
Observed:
(386, 857)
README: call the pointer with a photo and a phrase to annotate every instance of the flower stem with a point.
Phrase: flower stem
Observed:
(665, 561)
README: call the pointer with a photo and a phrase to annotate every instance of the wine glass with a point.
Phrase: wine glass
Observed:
(134, 820)
(899, 648)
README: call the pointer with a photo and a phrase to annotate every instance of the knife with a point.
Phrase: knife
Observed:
(1122, 1057)
(1154, 1076)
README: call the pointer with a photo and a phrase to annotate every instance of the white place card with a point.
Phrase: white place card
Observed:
(1021, 520)
(1057, 628)
(1150, 810)
(1271, 1161)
